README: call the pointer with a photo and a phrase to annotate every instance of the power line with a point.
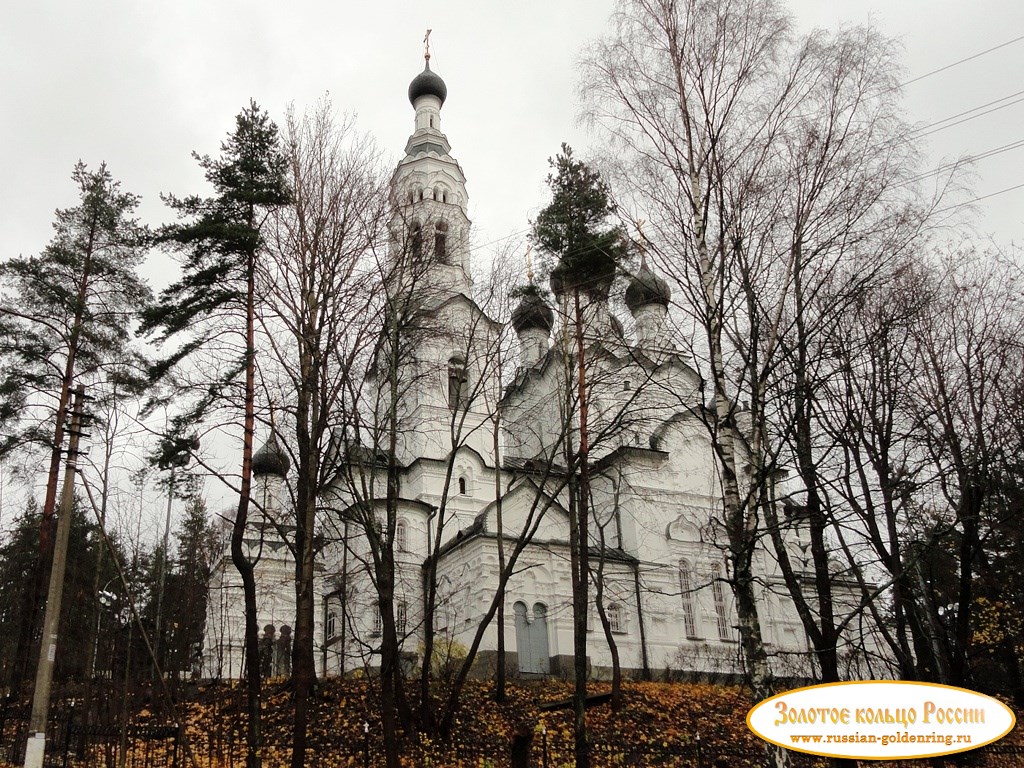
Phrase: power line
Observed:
(969, 111)
(961, 61)
(977, 199)
(968, 159)
(966, 119)
(521, 232)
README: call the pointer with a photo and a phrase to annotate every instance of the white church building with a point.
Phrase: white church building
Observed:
(655, 492)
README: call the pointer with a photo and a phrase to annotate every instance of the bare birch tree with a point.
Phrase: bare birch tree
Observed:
(764, 162)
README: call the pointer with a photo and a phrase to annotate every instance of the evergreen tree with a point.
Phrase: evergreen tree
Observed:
(66, 317)
(573, 229)
(79, 608)
(187, 590)
(220, 237)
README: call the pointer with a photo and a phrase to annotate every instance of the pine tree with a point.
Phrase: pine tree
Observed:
(220, 237)
(573, 229)
(66, 317)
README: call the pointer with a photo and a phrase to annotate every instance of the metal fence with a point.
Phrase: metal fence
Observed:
(73, 744)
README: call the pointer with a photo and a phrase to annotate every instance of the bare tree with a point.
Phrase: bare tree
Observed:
(694, 93)
(928, 370)
(762, 164)
(969, 365)
(311, 287)
(876, 468)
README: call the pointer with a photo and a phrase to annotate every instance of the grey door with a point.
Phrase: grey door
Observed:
(532, 639)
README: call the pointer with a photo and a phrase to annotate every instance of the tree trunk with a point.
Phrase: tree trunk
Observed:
(303, 661)
(385, 567)
(609, 637)
(239, 557)
(641, 626)
(580, 552)
(499, 672)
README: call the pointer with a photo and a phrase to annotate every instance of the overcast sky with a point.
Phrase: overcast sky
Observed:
(141, 85)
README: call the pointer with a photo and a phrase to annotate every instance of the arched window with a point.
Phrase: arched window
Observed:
(462, 486)
(331, 626)
(401, 537)
(378, 622)
(441, 241)
(401, 611)
(686, 592)
(721, 609)
(416, 240)
(616, 621)
(458, 383)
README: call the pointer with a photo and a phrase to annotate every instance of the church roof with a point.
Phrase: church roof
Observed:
(646, 288)
(271, 459)
(427, 83)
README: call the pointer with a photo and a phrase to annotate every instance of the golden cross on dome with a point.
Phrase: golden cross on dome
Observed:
(426, 46)
(529, 263)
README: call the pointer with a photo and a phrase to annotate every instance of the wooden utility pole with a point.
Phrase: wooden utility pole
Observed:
(36, 748)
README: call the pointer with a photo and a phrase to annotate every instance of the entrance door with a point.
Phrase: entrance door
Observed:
(532, 639)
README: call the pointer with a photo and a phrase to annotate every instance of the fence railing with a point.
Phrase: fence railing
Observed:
(357, 753)
(73, 744)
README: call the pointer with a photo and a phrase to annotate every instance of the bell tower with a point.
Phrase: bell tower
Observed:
(430, 228)
(442, 341)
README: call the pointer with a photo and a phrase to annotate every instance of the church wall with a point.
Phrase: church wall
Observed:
(355, 641)
(533, 414)
(655, 481)
(224, 635)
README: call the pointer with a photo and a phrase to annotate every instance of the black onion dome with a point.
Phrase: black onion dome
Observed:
(533, 312)
(646, 288)
(427, 83)
(270, 459)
